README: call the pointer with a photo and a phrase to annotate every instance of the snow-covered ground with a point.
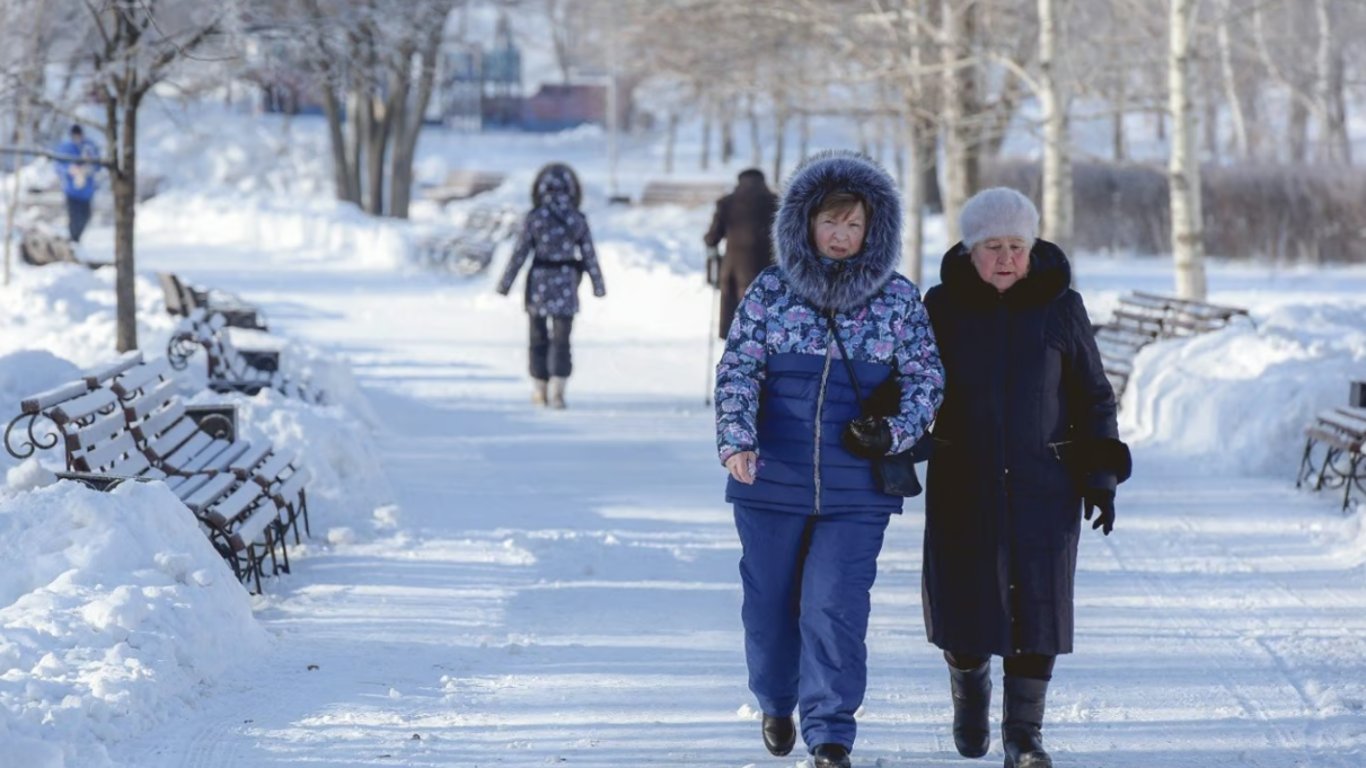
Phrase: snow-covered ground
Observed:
(490, 584)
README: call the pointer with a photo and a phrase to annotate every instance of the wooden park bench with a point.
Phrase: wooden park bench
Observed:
(231, 369)
(125, 423)
(40, 248)
(182, 299)
(1142, 318)
(469, 250)
(1333, 453)
(687, 194)
(463, 183)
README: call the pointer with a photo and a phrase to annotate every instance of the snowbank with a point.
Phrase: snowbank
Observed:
(114, 606)
(1238, 400)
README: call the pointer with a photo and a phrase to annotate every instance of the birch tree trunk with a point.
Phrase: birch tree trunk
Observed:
(1334, 145)
(913, 243)
(1183, 170)
(1057, 160)
(756, 147)
(960, 103)
(1236, 114)
(671, 138)
(727, 131)
(705, 160)
(780, 118)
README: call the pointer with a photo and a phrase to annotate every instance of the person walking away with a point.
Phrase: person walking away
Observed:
(744, 219)
(557, 239)
(809, 515)
(1026, 437)
(77, 171)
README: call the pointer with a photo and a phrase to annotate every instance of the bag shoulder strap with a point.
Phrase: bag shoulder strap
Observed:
(848, 364)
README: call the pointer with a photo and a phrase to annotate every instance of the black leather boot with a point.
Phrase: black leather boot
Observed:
(780, 733)
(830, 756)
(971, 709)
(1023, 721)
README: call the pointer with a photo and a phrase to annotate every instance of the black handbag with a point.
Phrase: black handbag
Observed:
(894, 474)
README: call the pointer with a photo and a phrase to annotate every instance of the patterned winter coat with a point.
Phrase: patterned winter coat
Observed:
(1028, 416)
(556, 237)
(781, 389)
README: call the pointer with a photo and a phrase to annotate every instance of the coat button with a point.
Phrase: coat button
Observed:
(1012, 587)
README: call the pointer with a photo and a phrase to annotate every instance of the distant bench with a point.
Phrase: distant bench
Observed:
(464, 183)
(470, 249)
(182, 299)
(40, 248)
(688, 194)
(228, 368)
(1142, 318)
(125, 422)
(1333, 453)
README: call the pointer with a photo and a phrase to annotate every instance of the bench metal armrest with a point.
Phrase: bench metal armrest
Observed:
(219, 421)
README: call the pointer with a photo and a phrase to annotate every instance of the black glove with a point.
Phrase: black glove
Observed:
(868, 437)
(1103, 499)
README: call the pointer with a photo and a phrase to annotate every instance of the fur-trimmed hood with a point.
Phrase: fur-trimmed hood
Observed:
(815, 277)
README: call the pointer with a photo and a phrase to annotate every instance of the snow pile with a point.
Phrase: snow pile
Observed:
(114, 606)
(1239, 399)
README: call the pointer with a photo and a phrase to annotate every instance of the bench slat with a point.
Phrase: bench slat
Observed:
(83, 406)
(108, 454)
(250, 458)
(127, 360)
(140, 376)
(102, 429)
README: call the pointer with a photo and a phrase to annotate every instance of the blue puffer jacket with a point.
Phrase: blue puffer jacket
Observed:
(781, 389)
(78, 179)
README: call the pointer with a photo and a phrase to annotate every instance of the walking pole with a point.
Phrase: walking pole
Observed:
(714, 280)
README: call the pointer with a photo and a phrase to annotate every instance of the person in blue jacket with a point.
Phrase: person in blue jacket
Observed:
(1025, 439)
(78, 179)
(792, 435)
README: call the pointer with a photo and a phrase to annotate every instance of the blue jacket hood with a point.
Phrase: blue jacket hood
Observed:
(813, 276)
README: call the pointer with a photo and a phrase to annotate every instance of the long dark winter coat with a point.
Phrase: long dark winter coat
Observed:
(781, 388)
(1002, 510)
(744, 219)
(557, 238)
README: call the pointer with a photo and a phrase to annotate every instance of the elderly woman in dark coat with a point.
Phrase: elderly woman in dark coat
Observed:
(1026, 434)
(798, 447)
(557, 238)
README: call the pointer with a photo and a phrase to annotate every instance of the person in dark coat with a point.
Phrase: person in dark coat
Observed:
(1025, 437)
(744, 219)
(556, 237)
(791, 434)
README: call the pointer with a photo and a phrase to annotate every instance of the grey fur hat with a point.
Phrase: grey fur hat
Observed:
(998, 212)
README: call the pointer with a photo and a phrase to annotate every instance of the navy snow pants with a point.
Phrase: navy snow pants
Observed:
(806, 603)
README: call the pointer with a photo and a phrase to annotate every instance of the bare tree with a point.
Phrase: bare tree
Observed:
(137, 47)
(374, 63)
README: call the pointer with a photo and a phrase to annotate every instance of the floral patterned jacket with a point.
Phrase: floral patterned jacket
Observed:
(782, 389)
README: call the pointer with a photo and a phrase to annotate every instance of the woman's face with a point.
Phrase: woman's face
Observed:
(839, 234)
(1001, 261)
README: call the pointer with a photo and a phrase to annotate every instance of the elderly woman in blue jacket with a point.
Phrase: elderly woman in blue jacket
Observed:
(793, 435)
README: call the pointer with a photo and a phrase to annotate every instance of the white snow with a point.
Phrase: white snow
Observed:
(488, 584)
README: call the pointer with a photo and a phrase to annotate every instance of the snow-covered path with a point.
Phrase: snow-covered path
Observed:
(562, 588)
